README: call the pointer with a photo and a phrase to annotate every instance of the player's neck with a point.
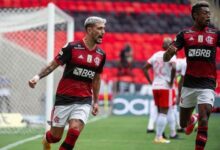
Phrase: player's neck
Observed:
(89, 43)
(199, 27)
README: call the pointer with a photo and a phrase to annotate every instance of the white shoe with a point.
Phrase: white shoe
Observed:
(161, 140)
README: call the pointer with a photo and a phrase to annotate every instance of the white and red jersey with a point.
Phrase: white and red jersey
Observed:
(181, 66)
(162, 70)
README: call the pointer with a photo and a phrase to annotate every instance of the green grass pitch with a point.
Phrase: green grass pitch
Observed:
(121, 133)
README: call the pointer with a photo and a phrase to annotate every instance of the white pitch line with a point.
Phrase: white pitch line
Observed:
(21, 142)
(10, 146)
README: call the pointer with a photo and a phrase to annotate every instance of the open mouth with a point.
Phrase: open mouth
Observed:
(100, 37)
(207, 21)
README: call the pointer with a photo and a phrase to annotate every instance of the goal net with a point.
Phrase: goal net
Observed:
(28, 40)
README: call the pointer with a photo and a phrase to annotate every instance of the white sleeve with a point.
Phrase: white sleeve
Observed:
(151, 59)
(183, 69)
(173, 59)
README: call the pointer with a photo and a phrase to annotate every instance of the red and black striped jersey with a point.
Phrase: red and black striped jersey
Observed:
(81, 65)
(200, 50)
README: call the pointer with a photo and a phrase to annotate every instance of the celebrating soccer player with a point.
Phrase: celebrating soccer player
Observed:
(79, 86)
(200, 43)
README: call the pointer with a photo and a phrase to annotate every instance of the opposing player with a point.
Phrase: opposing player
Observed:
(79, 86)
(162, 90)
(200, 43)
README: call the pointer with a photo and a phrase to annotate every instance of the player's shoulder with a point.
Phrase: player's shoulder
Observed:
(211, 30)
(77, 45)
(160, 52)
(100, 51)
(188, 30)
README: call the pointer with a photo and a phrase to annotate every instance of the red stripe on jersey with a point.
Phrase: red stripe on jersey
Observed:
(72, 87)
(201, 69)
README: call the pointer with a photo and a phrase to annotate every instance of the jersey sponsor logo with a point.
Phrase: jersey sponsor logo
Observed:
(83, 72)
(89, 58)
(97, 61)
(209, 40)
(199, 53)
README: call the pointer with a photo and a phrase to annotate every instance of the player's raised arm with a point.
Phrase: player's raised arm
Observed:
(44, 72)
(169, 53)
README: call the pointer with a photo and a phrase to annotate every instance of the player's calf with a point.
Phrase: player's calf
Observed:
(70, 140)
(201, 138)
(47, 139)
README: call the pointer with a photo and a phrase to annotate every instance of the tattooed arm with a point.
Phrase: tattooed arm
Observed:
(44, 72)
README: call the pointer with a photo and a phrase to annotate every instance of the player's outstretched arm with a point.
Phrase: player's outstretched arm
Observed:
(169, 53)
(95, 87)
(44, 72)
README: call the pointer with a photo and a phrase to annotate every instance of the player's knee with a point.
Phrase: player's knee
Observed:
(203, 121)
(51, 138)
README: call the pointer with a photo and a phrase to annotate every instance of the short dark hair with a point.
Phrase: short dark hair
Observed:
(197, 6)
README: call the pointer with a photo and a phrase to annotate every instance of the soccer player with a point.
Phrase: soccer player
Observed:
(164, 73)
(200, 43)
(78, 88)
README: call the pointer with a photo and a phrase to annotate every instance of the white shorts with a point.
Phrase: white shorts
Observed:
(62, 114)
(190, 97)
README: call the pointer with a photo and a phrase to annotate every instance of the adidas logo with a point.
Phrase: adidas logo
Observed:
(191, 39)
(80, 57)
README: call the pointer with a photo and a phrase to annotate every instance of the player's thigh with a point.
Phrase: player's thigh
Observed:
(165, 98)
(60, 115)
(156, 97)
(206, 96)
(161, 97)
(79, 115)
(188, 97)
(185, 114)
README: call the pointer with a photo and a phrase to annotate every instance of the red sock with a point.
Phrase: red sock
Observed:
(201, 138)
(50, 138)
(70, 140)
(216, 110)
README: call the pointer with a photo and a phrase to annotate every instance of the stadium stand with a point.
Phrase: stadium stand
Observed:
(143, 23)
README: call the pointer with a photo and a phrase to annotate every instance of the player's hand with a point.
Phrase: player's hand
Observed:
(95, 109)
(32, 82)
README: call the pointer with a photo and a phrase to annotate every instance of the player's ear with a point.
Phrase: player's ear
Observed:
(89, 30)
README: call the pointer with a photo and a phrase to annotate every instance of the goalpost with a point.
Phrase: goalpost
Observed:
(28, 40)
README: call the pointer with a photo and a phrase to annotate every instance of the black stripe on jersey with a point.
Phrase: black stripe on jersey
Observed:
(201, 53)
(200, 83)
(68, 100)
